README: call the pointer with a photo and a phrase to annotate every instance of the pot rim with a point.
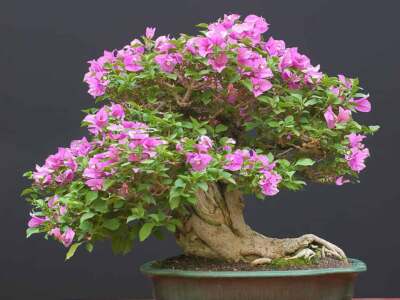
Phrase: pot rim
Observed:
(357, 266)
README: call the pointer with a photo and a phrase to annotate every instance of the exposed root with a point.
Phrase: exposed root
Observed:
(217, 230)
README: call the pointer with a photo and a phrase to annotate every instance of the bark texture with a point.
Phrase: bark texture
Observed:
(217, 229)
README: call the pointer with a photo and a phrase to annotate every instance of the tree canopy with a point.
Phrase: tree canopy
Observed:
(226, 106)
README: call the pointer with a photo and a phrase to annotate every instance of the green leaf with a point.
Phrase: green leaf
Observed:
(87, 216)
(145, 231)
(220, 128)
(89, 247)
(203, 185)
(247, 83)
(305, 162)
(179, 183)
(26, 191)
(91, 196)
(100, 205)
(71, 250)
(31, 231)
(174, 202)
(112, 224)
(108, 183)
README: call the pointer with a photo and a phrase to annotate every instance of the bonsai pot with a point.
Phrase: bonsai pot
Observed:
(310, 284)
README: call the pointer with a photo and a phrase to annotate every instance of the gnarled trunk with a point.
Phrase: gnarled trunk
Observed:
(217, 229)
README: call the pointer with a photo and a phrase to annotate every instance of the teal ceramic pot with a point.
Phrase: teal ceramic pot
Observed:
(314, 284)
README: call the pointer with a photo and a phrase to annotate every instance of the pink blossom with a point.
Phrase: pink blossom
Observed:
(97, 85)
(117, 111)
(260, 86)
(52, 201)
(312, 74)
(346, 82)
(331, 119)
(218, 63)
(67, 237)
(65, 177)
(167, 62)
(80, 147)
(42, 175)
(362, 104)
(132, 62)
(229, 20)
(340, 180)
(292, 58)
(63, 210)
(259, 23)
(56, 232)
(150, 31)
(204, 144)
(232, 93)
(179, 147)
(95, 184)
(163, 44)
(344, 115)
(274, 47)
(198, 161)
(234, 161)
(269, 183)
(216, 35)
(356, 158)
(355, 139)
(97, 121)
(36, 221)
(204, 46)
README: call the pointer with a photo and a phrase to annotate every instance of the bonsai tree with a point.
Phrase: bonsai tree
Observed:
(186, 127)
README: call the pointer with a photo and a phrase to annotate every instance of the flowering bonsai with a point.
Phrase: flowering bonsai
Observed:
(187, 126)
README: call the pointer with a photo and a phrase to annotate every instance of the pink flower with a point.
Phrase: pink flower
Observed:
(216, 35)
(150, 32)
(234, 161)
(232, 93)
(52, 201)
(42, 175)
(260, 86)
(204, 144)
(269, 183)
(204, 46)
(355, 139)
(132, 62)
(218, 63)
(68, 237)
(356, 158)
(179, 147)
(344, 115)
(65, 177)
(275, 47)
(80, 147)
(229, 20)
(163, 44)
(36, 221)
(346, 82)
(117, 111)
(198, 161)
(340, 180)
(167, 62)
(95, 184)
(97, 121)
(97, 85)
(362, 104)
(330, 117)
(259, 23)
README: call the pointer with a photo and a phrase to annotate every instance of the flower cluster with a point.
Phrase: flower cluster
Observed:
(200, 160)
(358, 152)
(126, 59)
(250, 160)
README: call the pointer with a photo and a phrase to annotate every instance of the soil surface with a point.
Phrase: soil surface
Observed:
(193, 263)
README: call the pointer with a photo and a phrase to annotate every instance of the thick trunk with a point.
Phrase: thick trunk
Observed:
(217, 229)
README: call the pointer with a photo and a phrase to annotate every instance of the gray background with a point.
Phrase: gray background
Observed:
(44, 47)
